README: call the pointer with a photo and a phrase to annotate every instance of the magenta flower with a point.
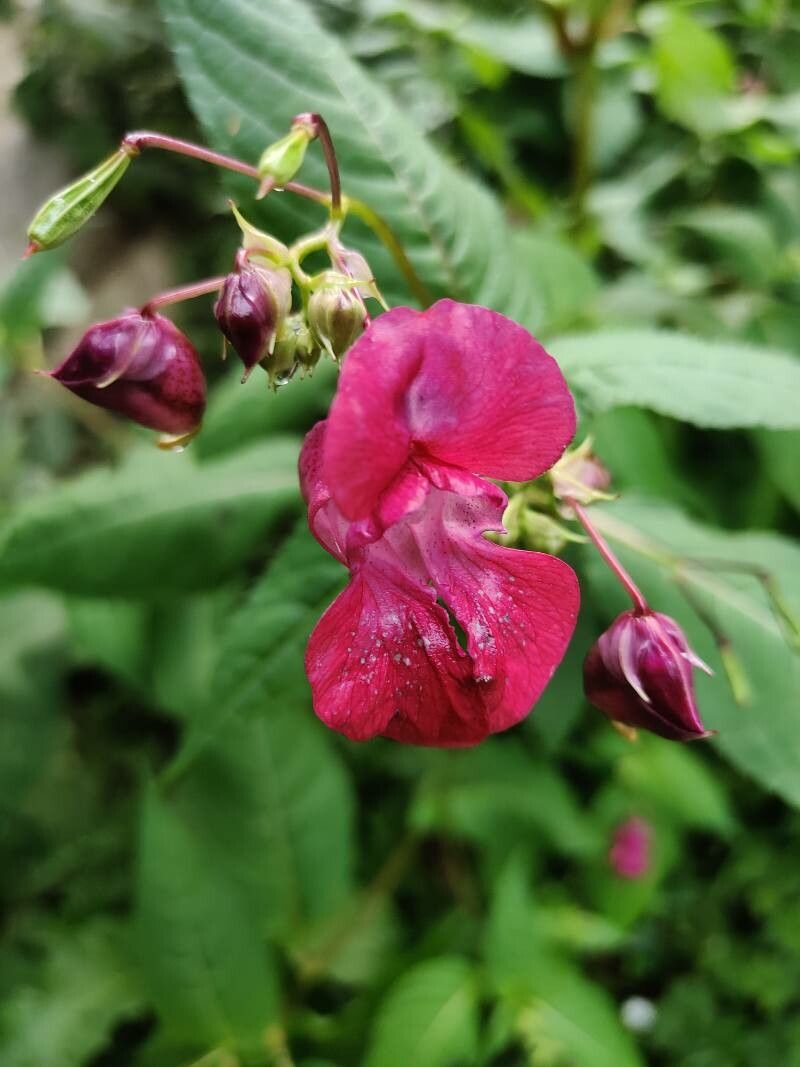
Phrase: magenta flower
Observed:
(629, 854)
(140, 366)
(441, 637)
(639, 673)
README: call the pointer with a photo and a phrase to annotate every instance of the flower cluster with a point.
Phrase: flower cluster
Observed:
(441, 637)
(444, 634)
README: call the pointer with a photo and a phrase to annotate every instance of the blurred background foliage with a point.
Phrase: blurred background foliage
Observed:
(192, 870)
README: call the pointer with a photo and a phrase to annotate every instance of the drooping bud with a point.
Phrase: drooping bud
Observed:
(140, 366)
(353, 265)
(629, 854)
(580, 476)
(64, 213)
(250, 308)
(336, 314)
(281, 160)
(294, 348)
(639, 673)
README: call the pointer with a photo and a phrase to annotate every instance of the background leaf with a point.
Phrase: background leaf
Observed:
(129, 533)
(709, 383)
(254, 66)
(257, 758)
(429, 1017)
(213, 979)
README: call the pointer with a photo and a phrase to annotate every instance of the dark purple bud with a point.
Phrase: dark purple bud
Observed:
(629, 854)
(639, 673)
(253, 303)
(140, 366)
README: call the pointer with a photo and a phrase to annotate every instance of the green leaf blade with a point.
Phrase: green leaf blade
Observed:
(718, 384)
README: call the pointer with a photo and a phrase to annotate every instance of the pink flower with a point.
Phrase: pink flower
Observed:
(140, 366)
(430, 404)
(639, 673)
(629, 854)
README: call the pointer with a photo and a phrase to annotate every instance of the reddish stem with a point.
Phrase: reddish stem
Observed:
(183, 292)
(325, 139)
(625, 580)
(146, 139)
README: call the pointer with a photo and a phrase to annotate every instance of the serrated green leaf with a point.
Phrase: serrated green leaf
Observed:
(680, 782)
(258, 759)
(694, 71)
(763, 737)
(130, 531)
(743, 241)
(717, 384)
(212, 978)
(84, 990)
(558, 1012)
(254, 66)
(429, 1018)
(781, 453)
(238, 415)
(496, 793)
(112, 634)
(32, 625)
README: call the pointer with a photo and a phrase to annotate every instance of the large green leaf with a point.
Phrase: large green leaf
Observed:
(429, 1018)
(240, 414)
(251, 66)
(257, 758)
(209, 973)
(710, 383)
(762, 738)
(82, 991)
(781, 452)
(558, 1013)
(157, 525)
(694, 71)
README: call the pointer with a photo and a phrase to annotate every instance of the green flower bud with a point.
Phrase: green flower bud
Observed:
(280, 161)
(64, 214)
(258, 243)
(293, 341)
(336, 315)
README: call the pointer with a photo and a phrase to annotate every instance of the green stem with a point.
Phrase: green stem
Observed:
(584, 79)
(384, 232)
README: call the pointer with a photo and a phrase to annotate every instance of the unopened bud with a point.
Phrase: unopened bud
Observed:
(258, 242)
(336, 315)
(580, 476)
(140, 366)
(629, 854)
(253, 303)
(281, 160)
(543, 534)
(353, 265)
(639, 673)
(65, 212)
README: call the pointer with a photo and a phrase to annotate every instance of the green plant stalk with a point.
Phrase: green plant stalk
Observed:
(584, 77)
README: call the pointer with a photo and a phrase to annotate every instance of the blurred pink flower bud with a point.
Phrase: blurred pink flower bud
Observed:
(579, 476)
(629, 854)
(251, 307)
(639, 673)
(140, 366)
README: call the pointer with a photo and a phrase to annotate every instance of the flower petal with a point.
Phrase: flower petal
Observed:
(518, 609)
(458, 383)
(384, 660)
